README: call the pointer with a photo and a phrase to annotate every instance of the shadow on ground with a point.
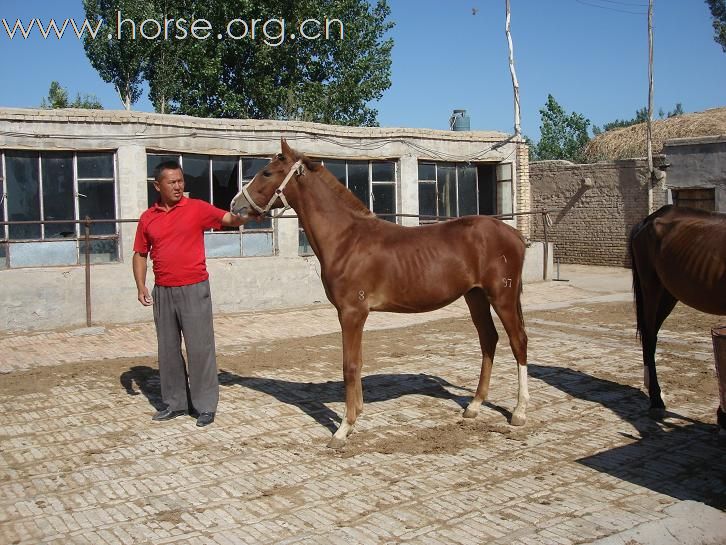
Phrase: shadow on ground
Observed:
(311, 397)
(679, 457)
(143, 380)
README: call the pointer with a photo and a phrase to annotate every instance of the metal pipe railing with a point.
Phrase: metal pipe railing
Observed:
(87, 237)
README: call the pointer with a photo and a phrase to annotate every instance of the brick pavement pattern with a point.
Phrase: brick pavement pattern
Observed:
(81, 462)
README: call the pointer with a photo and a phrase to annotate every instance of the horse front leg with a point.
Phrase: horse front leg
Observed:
(351, 323)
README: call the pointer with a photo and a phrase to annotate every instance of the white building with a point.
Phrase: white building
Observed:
(59, 165)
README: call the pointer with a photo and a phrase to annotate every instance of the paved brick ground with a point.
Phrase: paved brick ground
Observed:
(82, 463)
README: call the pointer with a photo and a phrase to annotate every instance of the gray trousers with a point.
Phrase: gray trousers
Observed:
(186, 310)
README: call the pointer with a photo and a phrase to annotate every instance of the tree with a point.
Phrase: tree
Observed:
(563, 135)
(270, 76)
(118, 61)
(58, 98)
(641, 116)
(718, 11)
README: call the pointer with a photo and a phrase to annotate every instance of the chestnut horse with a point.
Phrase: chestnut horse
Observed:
(369, 264)
(677, 254)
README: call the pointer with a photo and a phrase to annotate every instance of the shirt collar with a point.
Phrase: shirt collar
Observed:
(181, 202)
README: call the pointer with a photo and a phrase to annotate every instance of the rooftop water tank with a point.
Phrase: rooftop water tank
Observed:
(459, 121)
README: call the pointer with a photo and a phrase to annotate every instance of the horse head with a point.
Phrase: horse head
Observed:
(267, 190)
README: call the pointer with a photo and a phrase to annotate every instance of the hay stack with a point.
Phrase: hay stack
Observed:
(630, 142)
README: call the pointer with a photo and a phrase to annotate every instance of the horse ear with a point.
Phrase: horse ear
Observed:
(286, 151)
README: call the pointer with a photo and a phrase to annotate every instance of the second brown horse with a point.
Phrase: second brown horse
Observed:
(369, 264)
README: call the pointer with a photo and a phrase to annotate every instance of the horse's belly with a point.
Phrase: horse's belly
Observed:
(710, 300)
(418, 295)
(409, 304)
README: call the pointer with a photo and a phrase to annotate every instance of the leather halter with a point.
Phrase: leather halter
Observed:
(296, 169)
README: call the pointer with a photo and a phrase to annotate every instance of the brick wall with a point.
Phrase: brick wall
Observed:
(524, 193)
(593, 207)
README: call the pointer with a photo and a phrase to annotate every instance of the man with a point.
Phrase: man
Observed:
(173, 231)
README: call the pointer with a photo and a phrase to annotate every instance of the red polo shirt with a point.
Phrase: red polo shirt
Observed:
(176, 240)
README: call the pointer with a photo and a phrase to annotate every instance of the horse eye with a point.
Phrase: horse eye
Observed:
(280, 157)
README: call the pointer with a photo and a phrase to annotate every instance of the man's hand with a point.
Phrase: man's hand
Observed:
(144, 297)
(233, 220)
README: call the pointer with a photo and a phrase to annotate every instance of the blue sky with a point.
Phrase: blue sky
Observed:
(591, 55)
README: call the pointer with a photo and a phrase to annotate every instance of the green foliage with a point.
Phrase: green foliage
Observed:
(562, 135)
(58, 98)
(641, 116)
(718, 11)
(328, 81)
(119, 62)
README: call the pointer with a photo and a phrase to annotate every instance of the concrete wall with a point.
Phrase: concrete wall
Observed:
(53, 297)
(698, 163)
(593, 207)
(537, 264)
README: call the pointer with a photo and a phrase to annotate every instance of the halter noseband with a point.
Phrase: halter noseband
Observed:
(296, 169)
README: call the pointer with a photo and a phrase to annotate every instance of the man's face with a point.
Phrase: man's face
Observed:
(170, 186)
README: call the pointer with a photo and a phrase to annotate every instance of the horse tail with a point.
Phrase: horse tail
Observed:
(637, 288)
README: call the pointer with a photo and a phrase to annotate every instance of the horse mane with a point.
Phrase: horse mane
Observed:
(340, 191)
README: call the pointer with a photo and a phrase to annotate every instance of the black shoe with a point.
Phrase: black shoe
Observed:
(205, 419)
(167, 414)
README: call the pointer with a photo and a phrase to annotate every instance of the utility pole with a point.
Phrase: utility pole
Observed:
(650, 89)
(515, 83)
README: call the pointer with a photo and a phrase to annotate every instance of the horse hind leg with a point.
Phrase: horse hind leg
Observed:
(661, 305)
(482, 317)
(507, 305)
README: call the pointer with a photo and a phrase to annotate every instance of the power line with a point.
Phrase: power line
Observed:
(585, 3)
(629, 4)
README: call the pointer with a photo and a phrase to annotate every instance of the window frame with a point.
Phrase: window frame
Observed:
(242, 231)
(499, 184)
(435, 183)
(7, 241)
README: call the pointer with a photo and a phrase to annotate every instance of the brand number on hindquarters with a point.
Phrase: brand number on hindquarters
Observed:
(507, 282)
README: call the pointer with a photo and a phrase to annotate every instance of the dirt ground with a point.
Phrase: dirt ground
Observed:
(81, 462)
(682, 377)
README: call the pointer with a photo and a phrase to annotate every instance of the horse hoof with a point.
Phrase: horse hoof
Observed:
(657, 413)
(469, 413)
(518, 420)
(336, 443)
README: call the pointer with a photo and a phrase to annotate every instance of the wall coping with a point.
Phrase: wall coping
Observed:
(716, 139)
(658, 160)
(213, 125)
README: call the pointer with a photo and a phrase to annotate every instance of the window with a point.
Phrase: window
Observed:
(504, 189)
(701, 198)
(3, 215)
(217, 179)
(447, 190)
(373, 182)
(58, 188)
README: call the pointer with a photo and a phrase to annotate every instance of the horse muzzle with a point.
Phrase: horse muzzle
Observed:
(242, 207)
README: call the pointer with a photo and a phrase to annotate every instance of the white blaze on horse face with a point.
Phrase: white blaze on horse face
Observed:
(240, 205)
(519, 416)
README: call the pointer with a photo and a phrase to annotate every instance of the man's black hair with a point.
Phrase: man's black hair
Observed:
(166, 165)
